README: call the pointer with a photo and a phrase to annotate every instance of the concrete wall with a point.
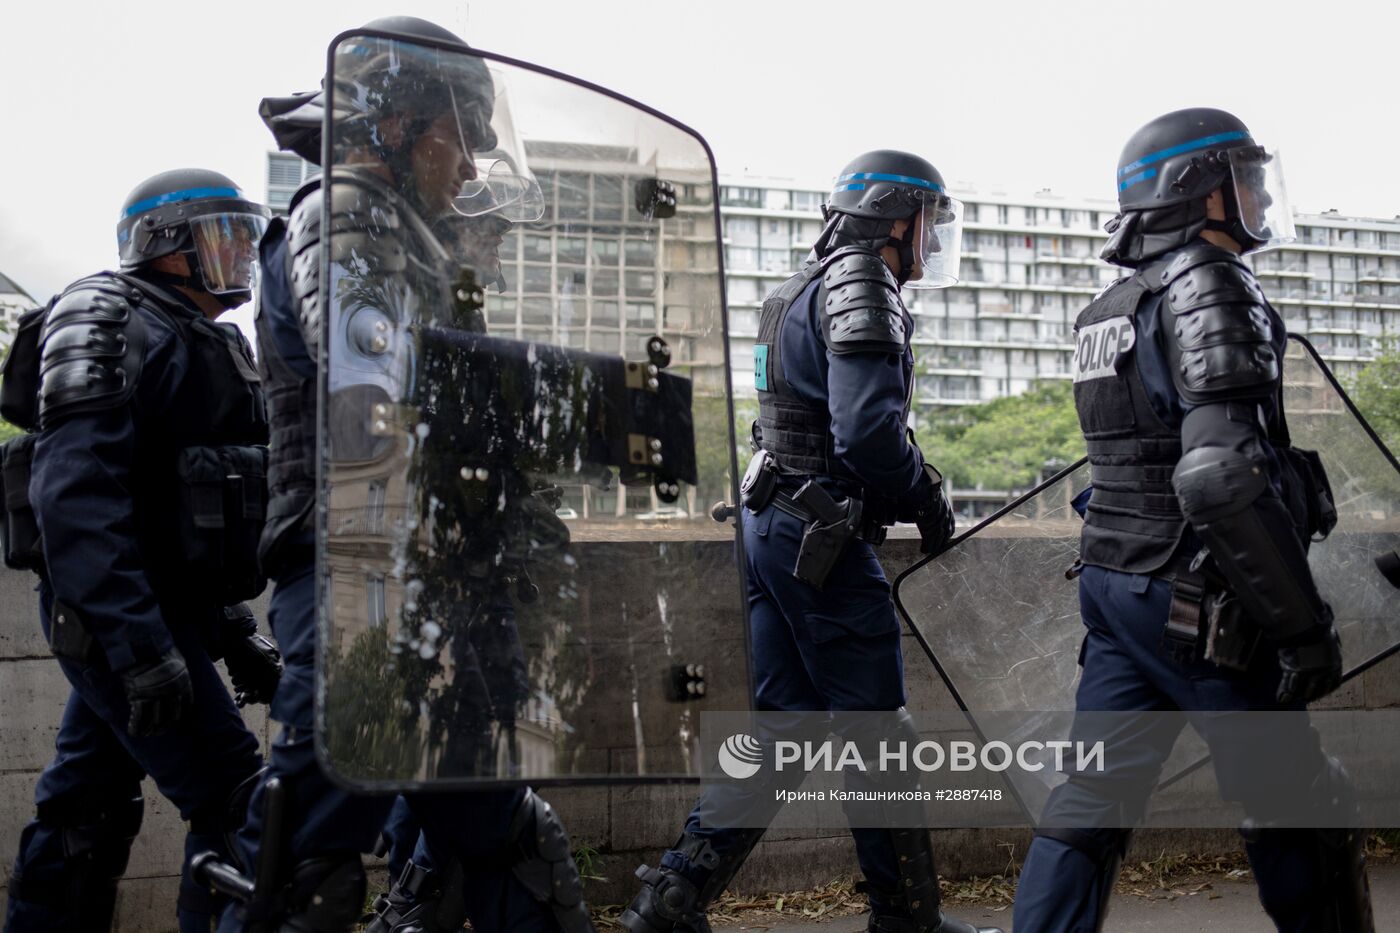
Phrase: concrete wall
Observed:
(625, 825)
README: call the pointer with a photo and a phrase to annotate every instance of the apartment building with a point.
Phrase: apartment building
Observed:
(1029, 265)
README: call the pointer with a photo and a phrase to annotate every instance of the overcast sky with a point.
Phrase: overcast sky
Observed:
(1002, 96)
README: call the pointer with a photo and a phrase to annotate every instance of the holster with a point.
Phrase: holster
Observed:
(833, 524)
(1230, 635)
(1181, 640)
(1207, 621)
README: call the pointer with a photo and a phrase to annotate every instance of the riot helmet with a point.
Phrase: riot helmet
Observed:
(421, 110)
(878, 188)
(1171, 165)
(203, 216)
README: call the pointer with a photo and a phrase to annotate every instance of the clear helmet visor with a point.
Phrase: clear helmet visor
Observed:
(226, 246)
(1261, 196)
(937, 243)
(503, 185)
(501, 190)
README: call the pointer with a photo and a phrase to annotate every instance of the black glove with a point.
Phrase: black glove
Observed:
(159, 693)
(928, 507)
(253, 661)
(1312, 665)
(936, 523)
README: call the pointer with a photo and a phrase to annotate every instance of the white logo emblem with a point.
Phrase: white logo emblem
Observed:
(1098, 347)
(740, 756)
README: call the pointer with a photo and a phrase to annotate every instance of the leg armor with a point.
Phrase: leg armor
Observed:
(670, 902)
(546, 867)
(88, 846)
(1340, 897)
(421, 901)
(915, 908)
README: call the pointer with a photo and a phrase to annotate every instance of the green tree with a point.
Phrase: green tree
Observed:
(1376, 392)
(711, 453)
(1004, 443)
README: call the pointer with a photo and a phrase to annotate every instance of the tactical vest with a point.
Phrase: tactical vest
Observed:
(1134, 522)
(291, 467)
(796, 433)
(198, 483)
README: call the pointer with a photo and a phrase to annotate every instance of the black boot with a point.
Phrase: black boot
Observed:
(667, 903)
(671, 903)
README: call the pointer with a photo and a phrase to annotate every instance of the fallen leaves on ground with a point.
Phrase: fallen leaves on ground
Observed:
(1165, 878)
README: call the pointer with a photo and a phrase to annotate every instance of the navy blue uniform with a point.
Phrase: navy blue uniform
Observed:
(836, 649)
(325, 820)
(1064, 885)
(96, 493)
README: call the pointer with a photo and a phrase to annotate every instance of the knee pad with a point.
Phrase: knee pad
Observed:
(325, 894)
(546, 867)
(1105, 848)
(94, 845)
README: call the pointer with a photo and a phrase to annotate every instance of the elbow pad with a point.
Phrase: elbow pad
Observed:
(1251, 537)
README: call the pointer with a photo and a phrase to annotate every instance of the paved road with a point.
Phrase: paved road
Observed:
(1236, 910)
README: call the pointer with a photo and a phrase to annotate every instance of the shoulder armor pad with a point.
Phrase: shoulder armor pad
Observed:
(367, 224)
(90, 349)
(304, 259)
(1220, 331)
(862, 310)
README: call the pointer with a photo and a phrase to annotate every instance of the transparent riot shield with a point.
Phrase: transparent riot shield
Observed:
(524, 417)
(999, 617)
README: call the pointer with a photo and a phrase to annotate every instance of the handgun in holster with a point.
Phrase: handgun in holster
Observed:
(833, 524)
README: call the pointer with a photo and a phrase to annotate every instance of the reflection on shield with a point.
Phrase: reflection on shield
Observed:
(525, 413)
(1000, 619)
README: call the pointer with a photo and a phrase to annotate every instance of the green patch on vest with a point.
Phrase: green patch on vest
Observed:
(760, 367)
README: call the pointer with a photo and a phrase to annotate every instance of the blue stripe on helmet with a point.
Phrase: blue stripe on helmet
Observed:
(856, 187)
(189, 194)
(881, 176)
(1192, 146)
(1140, 176)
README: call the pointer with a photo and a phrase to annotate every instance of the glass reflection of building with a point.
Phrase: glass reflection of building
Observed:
(594, 274)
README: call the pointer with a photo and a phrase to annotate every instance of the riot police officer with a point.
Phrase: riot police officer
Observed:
(1195, 588)
(504, 856)
(146, 490)
(834, 465)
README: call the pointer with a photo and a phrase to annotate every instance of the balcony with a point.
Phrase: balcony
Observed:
(1285, 273)
(951, 368)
